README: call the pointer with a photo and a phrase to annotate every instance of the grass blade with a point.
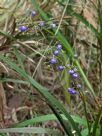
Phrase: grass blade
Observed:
(101, 130)
(96, 122)
(13, 81)
(84, 21)
(33, 130)
(19, 57)
(49, 117)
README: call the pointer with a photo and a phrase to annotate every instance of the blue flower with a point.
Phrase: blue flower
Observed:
(79, 86)
(53, 61)
(71, 71)
(23, 28)
(59, 47)
(42, 23)
(75, 75)
(56, 53)
(60, 68)
(71, 91)
(33, 13)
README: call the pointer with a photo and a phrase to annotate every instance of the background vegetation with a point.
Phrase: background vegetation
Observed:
(34, 93)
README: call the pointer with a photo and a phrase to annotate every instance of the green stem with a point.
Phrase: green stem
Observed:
(86, 115)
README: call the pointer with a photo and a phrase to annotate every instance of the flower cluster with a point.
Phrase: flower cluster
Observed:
(71, 90)
(56, 53)
(74, 75)
(40, 24)
(72, 71)
(24, 28)
(54, 61)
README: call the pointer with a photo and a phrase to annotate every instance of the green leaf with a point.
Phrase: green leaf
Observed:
(85, 132)
(49, 117)
(44, 16)
(64, 123)
(97, 122)
(100, 129)
(79, 120)
(33, 130)
(13, 81)
(19, 58)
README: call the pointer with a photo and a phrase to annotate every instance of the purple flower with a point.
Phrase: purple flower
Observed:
(70, 90)
(71, 71)
(23, 28)
(59, 47)
(75, 75)
(79, 86)
(33, 13)
(42, 23)
(56, 53)
(60, 68)
(73, 92)
(52, 61)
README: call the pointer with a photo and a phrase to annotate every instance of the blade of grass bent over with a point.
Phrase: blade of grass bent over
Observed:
(49, 117)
